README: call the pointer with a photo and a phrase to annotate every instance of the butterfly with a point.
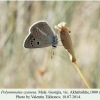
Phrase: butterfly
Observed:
(40, 35)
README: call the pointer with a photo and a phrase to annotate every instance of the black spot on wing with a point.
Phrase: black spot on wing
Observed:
(38, 43)
(34, 39)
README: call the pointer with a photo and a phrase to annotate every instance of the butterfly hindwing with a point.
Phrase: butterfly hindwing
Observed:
(33, 42)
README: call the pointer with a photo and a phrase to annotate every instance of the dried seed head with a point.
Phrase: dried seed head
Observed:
(61, 26)
(65, 39)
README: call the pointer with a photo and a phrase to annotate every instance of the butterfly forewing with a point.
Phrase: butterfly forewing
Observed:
(44, 27)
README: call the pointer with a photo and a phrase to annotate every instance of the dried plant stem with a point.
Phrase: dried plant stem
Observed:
(43, 83)
(83, 78)
(67, 43)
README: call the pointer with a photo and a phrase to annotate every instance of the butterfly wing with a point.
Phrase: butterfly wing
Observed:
(44, 27)
(40, 35)
(32, 42)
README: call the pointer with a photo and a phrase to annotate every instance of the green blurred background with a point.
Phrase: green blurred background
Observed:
(18, 65)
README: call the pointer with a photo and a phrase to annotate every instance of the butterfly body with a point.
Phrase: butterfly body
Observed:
(40, 35)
